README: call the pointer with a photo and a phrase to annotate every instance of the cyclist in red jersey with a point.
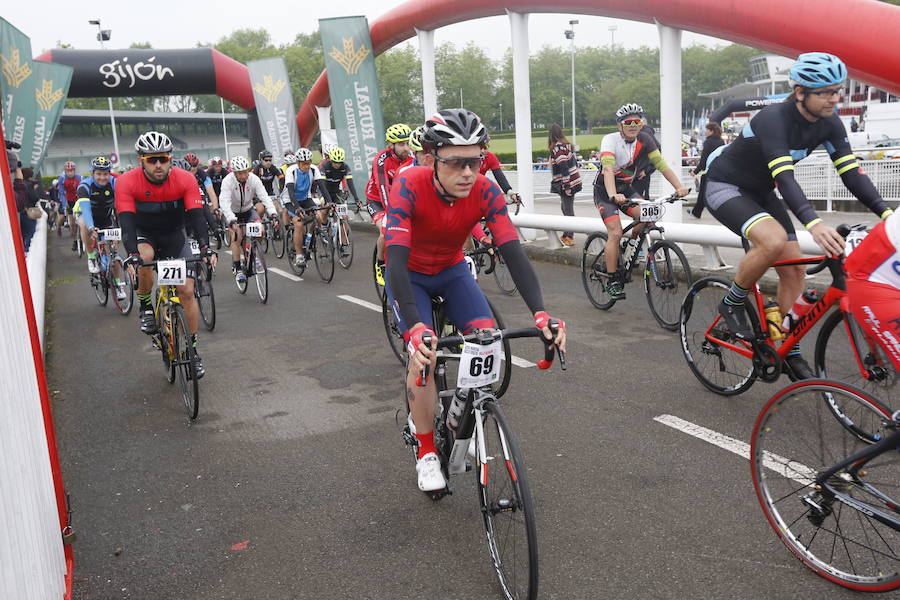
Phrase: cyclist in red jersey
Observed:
(385, 167)
(432, 210)
(153, 201)
(68, 184)
(492, 164)
(873, 285)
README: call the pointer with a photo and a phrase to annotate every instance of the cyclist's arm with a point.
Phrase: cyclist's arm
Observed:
(501, 180)
(398, 239)
(351, 187)
(225, 203)
(320, 183)
(289, 184)
(262, 195)
(125, 207)
(854, 179)
(195, 210)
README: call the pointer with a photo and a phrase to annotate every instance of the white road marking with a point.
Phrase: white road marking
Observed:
(519, 362)
(285, 274)
(781, 465)
(363, 303)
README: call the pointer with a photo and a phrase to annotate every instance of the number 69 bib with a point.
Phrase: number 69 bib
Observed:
(479, 365)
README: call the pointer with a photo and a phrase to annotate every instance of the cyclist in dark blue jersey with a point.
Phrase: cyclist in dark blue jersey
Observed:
(742, 178)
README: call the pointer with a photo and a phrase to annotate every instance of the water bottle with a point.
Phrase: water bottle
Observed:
(307, 241)
(630, 248)
(104, 262)
(456, 408)
(773, 318)
(800, 308)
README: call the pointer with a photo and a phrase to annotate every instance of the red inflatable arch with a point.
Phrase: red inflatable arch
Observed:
(859, 31)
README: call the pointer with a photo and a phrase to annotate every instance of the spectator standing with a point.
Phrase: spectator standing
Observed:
(566, 179)
(713, 140)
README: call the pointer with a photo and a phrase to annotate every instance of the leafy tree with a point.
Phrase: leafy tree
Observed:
(469, 71)
(400, 83)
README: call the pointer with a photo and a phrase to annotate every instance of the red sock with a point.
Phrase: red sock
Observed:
(426, 443)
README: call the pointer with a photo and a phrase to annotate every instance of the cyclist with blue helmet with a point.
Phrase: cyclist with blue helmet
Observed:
(742, 178)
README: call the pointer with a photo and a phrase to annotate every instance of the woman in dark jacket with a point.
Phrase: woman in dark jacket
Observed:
(565, 182)
(713, 140)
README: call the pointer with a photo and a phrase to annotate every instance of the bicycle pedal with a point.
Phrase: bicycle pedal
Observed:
(439, 494)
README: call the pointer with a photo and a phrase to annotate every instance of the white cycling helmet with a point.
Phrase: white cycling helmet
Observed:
(289, 159)
(239, 163)
(153, 142)
(304, 155)
(626, 110)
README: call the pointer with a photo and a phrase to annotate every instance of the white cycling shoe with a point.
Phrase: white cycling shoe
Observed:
(431, 478)
(93, 265)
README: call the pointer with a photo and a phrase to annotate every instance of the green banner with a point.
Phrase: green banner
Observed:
(353, 84)
(34, 94)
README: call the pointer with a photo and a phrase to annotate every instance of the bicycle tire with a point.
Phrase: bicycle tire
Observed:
(346, 261)
(101, 286)
(836, 358)
(699, 311)
(261, 275)
(123, 306)
(794, 439)
(185, 365)
(393, 332)
(278, 243)
(593, 271)
(662, 283)
(507, 507)
(502, 276)
(79, 244)
(206, 297)
(323, 253)
(242, 267)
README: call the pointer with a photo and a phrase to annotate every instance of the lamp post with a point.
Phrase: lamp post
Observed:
(501, 116)
(103, 35)
(563, 113)
(570, 35)
(612, 36)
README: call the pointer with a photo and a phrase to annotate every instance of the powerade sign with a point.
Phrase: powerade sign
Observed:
(353, 86)
(138, 72)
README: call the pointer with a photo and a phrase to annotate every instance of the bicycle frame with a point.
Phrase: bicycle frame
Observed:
(168, 295)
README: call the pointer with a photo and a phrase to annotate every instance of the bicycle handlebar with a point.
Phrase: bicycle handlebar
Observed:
(666, 200)
(844, 230)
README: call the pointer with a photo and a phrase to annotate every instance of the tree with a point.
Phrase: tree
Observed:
(468, 73)
(400, 84)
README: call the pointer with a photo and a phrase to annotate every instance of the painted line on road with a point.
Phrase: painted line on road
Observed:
(285, 274)
(363, 303)
(781, 465)
(519, 362)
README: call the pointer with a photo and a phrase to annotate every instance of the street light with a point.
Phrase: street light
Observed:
(570, 35)
(501, 116)
(612, 36)
(103, 35)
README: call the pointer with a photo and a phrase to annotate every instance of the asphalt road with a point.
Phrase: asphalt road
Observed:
(294, 481)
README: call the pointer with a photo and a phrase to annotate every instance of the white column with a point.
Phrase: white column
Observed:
(429, 86)
(670, 106)
(518, 23)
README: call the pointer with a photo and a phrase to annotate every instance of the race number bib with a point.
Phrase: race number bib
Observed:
(254, 230)
(651, 212)
(195, 247)
(854, 238)
(341, 210)
(470, 262)
(113, 235)
(171, 272)
(479, 365)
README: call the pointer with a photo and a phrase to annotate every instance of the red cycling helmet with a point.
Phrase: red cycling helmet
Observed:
(215, 161)
(192, 159)
(68, 165)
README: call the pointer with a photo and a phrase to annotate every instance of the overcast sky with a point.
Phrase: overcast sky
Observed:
(177, 25)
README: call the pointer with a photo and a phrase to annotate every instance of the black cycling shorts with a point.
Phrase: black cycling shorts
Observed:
(248, 216)
(291, 206)
(169, 244)
(608, 208)
(103, 219)
(739, 209)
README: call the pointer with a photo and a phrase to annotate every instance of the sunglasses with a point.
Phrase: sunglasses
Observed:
(460, 164)
(827, 93)
(632, 122)
(154, 159)
(267, 160)
(304, 163)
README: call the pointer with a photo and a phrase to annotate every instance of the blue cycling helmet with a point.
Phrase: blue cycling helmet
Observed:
(818, 69)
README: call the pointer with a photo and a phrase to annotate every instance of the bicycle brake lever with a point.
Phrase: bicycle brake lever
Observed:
(562, 358)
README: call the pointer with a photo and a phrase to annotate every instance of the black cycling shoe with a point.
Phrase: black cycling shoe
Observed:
(199, 371)
(736, 319)
(148, 321)
(615, 289)
(800, 369)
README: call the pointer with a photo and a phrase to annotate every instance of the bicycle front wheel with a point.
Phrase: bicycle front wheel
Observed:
(502, 276)
(261, 275)
(709, 346)
(796, 437)
(345, 249)
(185, 363)
(100, 283)
(206, 297)
(123, 282)
(393, 332)
(593, 271)
(499, 388)
(666, 277)
(506, 505)
(844, 352)
(323, 250)
(278, 239)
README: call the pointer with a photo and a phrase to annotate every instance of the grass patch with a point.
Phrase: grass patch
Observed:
(62, 281)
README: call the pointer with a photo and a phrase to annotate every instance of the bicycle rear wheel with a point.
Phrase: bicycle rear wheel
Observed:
(101, 286)
(347, 247)
(379, 289)
(164, 336)
(393, 332)
(593, 271)
(502, 276)
(840, 341)
(796, 437)
(125, 304)
(260, 274)
(506, 506)
(206, 297)
(323, 251)
(185, 363)
(705, 337)
(278, 239)
(666, 265)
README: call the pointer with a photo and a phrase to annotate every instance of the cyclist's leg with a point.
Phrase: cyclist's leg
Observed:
(260, 209)
(791, 279)
(609, 212)
(177, 245)
(147, 249)
(464, 302)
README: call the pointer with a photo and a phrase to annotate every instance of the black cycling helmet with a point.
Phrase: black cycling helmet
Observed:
(265, 155)
(101, 163)
(454, 127)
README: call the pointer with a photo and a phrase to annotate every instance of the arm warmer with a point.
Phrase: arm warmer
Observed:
(197, 217)
(501, 180)
(129, 231)
(352, 188)
(323, 189)
(861, 186)
(398, 281)
(523, 275)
